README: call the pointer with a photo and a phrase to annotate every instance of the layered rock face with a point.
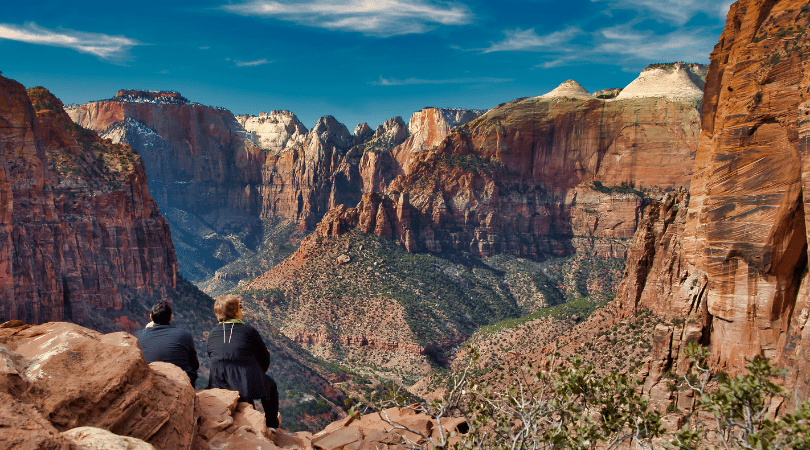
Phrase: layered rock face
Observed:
(228, 184)
(274, 131)
(741, 268)
(82, 236)
(537, 177)
(199, 164)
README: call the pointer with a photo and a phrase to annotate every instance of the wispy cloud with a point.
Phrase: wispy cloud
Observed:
(658, 31)
(529, 40)
(408, 81)
(104, 46)
(627, 46)
(678, 12)
(682, 44)
(258, 62)
(381, 18)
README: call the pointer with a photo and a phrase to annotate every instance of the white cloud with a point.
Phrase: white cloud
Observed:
(529, 40)
(381, 18)
(660, 31)
(258, 62)
(683, 44)
(678, 12)
(107, 47)
(409, 81)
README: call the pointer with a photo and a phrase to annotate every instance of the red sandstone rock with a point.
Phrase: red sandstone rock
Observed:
(116, 400)
(89, 438)
(525, 170)
(78, 226)
(22, 427)
(386, 429)
(226, 424)
(741, 267)
(127, 398)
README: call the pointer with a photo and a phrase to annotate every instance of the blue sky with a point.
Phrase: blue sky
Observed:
(360, 61)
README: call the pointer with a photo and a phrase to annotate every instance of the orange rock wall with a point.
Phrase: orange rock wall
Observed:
(743, 257)
(207, 165)
(80, 231)
(520, 179)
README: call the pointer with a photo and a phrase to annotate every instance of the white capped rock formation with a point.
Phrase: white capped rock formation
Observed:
(568, 88)
(275, 131)
(673, 81)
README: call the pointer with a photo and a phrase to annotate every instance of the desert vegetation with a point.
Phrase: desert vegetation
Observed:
(568, 404)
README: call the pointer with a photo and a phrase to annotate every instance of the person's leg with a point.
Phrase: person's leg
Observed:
(270, 402)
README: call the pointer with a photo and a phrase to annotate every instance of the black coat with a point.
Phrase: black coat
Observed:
(172, 345)
(239, 360)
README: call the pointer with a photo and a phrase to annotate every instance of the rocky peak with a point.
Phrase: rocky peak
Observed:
(568, 88)
(392, 127)
(275, 131)
(676, 81)
(391, 133)
(458, 116)
(329, 130)
(429, 126)
(139, 96)
(362, 131)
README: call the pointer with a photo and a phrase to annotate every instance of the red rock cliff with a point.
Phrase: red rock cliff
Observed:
(539, 176)
(80, 232)
(742, 265)
(222, 181)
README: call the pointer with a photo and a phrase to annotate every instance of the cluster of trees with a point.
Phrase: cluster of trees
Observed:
(571, 406)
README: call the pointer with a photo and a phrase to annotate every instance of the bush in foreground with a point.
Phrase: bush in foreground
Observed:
(570, 406)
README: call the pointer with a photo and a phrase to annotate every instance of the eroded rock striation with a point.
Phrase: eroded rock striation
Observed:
(543, 178)
(740, 270)
(234, 188)
(533, 176)
(81, 234)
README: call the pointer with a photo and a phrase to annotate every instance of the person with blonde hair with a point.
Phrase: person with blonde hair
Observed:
(240, 359)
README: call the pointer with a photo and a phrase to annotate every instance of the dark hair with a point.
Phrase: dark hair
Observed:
(161, 313)
(226, 307)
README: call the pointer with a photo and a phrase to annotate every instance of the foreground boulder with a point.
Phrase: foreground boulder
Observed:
(66, 387)
(72, 376)
(89, 438)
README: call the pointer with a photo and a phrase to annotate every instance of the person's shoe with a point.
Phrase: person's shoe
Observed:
(270, 424)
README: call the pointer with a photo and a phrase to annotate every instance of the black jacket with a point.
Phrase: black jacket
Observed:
(172, 345)
(239, 360)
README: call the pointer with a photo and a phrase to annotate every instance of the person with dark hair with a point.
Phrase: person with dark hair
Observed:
(160, 341)
(240, 359)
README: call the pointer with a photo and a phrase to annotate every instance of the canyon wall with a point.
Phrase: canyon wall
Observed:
(557, 179)
(236, 190)
(82, 236)
(740, 269)
(536, 177)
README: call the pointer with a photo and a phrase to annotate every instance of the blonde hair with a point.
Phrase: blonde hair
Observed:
(226, 307)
